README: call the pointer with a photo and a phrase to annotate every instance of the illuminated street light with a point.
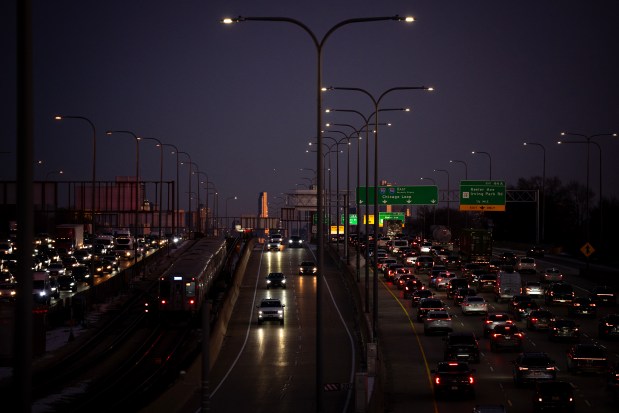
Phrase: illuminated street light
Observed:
(47, 175)
(319, 45)
(376, 102)
(489, 159)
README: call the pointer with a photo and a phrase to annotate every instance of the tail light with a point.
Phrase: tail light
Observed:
(437, 380)
(471, 380)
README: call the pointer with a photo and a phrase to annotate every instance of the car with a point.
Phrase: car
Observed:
(443, 279)
(474, 304)
(603, 295)
(534, 289)
(494, 319)
(506, 336)
(526, 265)
(485, 282)
(295, 241)
(428, 304)
(8, 292)
(276, 279)
(563, 329)
(113, 260)
(419, 294)
(509, 258)
(608, 326)
(437, 322)
(586, 358)
(383, 265)
(424, 263)
(453, 377)
(461, 293)
(582, 306)
(559, 293)
(532, 367)
(67, 282)
(453, 285)
(412, 285)
(425, 247)
(410, 259)
(539, 319)
(553, 395)
(402, 275)
(461, 346)
(271, 309)
(100, 267)
(69, 261)
(536, 252)
(274, 244)
(391, 269)
(523, 309)
(516, 300)
(56, 269)
(82, 273)
(82, 255)
(308, 268)
(551, 275)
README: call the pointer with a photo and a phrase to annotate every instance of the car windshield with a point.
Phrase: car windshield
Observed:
(452, 367)
(537, 360)
(475, 299)
(556, 387)
(270, 303)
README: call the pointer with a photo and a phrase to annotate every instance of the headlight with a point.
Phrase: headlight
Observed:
(260, 312)
(268, 281)
(280, 312)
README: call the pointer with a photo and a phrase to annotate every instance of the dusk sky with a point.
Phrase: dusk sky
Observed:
(240, 99)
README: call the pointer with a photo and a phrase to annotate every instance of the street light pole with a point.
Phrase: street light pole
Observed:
(466, 169)
(227, 217)
(176, 208)
(543, 225)
(448, 190)
(189, 219)
(137, 185)
(319, 44)
(94, 163)
(160, 145)
(376, 102)
(489, 159)
(433, 206)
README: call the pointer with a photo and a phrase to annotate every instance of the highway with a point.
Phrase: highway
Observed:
(409, 356)
(272, 367)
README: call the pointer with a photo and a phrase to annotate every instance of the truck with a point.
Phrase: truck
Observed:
(475, 246)
(508, 284)
(441, 237)
(69, 236)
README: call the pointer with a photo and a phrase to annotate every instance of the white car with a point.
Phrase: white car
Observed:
(534, 289)
(425, 247)
(410, 261)
(474, 304)
(526, 264)
(437, 321)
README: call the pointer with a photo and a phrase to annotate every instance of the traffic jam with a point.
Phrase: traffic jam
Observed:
(544, 334)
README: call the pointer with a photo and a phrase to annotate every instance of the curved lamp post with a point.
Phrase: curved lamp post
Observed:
(466, 168)
(543, 223)
(137, 182)
(433, 206)
(319, 44)
(189, 219)
(94, 163)
(227, 217)
(448, 190)
(176, 205)
(376, 101)
(59, 172)
(588, 140)
(489, 159)
(160, 146)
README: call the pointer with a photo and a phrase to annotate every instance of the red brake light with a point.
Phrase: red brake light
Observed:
(471, 380)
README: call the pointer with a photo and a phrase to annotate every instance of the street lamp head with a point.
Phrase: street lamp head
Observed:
(58, 117)
(230, 20)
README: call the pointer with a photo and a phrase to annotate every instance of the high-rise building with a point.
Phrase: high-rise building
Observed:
(263, 205)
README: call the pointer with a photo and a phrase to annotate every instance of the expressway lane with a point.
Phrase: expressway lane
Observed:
(409, 355)
(272, 367)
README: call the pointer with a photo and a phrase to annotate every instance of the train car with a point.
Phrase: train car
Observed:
(184, 286)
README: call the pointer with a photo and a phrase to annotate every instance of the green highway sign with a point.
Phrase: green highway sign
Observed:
(399, 195)
(482, 195)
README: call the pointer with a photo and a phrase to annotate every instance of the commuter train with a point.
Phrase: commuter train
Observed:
(184, 286)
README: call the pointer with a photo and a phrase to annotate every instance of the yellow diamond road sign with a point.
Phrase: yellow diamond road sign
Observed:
(587, 249)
